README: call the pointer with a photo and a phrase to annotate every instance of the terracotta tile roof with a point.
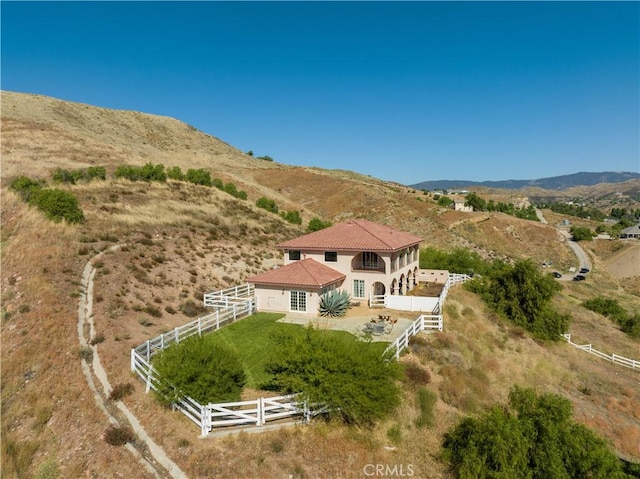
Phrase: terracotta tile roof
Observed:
(307, 273)
(354, 235)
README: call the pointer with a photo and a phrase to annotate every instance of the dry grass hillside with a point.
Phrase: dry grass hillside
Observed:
(180, 240)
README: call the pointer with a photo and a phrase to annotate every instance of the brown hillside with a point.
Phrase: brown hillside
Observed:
(179, 240)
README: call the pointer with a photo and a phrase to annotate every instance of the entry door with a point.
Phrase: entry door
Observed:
(299, 301)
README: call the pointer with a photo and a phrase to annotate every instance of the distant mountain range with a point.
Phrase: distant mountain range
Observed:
(553, 183)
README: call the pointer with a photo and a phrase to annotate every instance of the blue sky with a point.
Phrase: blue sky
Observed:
(402, 91)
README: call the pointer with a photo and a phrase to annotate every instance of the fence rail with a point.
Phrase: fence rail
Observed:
(422, 323)
(615, 358)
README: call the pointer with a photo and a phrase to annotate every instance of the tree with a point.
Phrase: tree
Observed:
(581, 233)
(533, 437)
(523, 294)
(351, 377)
(477, 203)
(444, 201)
(200, 368)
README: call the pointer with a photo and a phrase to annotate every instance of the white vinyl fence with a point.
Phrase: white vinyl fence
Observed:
(422, 323)
(417, 303)
(630, 363)
(231, 304)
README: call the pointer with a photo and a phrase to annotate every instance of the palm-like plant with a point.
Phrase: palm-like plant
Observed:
(334, 303)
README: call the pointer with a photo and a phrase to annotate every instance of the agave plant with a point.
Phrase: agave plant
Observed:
(334, 303)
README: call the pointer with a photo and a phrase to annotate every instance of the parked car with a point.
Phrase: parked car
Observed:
(579, 277)
(584, 270)
(557, 275)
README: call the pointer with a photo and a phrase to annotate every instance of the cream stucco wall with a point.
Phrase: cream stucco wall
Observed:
(270, 299)
(343, 264)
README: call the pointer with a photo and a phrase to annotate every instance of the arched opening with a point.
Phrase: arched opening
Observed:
(378, 289)
(401, 284)
(394, 286)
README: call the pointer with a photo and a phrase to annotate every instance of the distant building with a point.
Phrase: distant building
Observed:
(631, 232)
(460, 206)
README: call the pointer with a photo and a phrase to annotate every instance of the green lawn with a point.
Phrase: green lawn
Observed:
(249, 337)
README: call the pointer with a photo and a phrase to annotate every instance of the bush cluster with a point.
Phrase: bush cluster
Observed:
(456, 260)
(610, 308)
(56, 204)
(149, 172)
(292, 217)
(535, 437)
(60, 175)
(522, 294)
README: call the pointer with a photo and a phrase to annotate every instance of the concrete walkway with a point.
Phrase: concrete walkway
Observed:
(158, 464)
(355, 322)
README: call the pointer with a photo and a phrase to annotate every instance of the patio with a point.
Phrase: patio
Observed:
(358, 320)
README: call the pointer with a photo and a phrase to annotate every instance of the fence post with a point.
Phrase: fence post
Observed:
(199, 326)
(133, 360)
(259, 412)
(204, 414)
(148, 351)
(177, 336)
(217, 319)
(162, 341)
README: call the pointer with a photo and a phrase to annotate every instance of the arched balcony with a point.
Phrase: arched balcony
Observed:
(368, 261)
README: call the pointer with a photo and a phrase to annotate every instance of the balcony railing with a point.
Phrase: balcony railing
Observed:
(368, 266)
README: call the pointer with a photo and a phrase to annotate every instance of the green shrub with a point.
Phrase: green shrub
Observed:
(149, 172)
(267, 204)
(175, 173)
(201, 368)
(58, 205)
(533, 437)
(353, 378)
(292, 217)
(456, 260)
(316, 224)
(26, 187)
(611, 309)
(199, 177)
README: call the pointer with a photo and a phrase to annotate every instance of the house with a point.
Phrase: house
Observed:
(460, 205)
(359, 256)
(631, 232)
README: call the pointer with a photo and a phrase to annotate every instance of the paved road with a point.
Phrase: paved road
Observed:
(583, 259)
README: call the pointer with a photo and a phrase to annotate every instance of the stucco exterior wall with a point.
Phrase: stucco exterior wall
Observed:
(343, 264)
(271, 299)
(433, 275)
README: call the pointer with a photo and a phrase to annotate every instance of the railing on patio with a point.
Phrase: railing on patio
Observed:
(422, 323)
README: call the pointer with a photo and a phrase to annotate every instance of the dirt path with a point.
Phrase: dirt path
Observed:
(151, 456)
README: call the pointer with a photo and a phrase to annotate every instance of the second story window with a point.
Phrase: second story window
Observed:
(369, 260)
(331, 256)
(294, 255)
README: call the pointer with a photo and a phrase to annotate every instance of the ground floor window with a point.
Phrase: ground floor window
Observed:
(299, 301)
(358, 288)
